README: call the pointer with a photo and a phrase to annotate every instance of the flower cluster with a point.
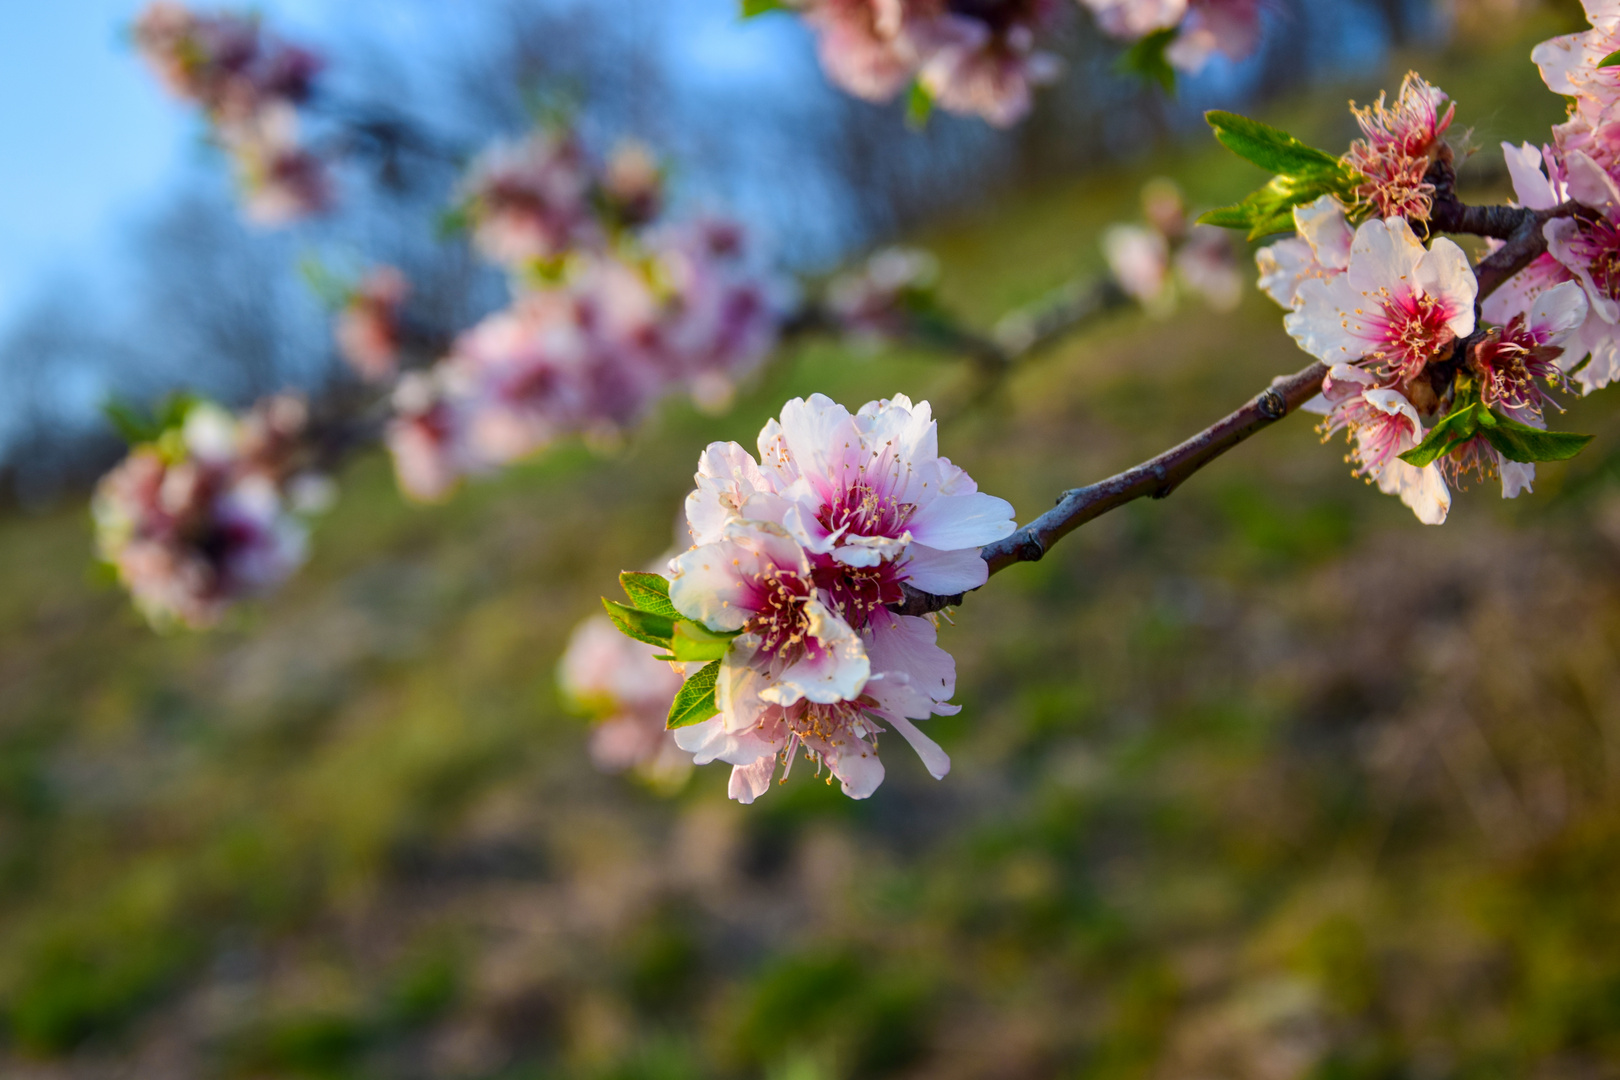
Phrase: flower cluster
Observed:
(1195, 30)
(251, 87)
(971, 58)
(621, 686)
(797, 556)
(210, 511)
(611, 311)
(1149, 262)
(1427, 394)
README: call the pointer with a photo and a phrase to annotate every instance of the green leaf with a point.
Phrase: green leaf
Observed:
(694, 642)
(132, 426)
(455, 221)
(642, 625)
(1146, 60)
(1612, 60)
(1446, 436)
(754, 8)
(919, 106)
(648, 592)
(1521, 442)
(1273, 149)
(695, 702)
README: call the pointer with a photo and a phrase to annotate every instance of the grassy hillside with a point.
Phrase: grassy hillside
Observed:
(1265, 780)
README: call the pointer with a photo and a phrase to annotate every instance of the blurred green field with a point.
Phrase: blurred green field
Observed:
(1263, 781)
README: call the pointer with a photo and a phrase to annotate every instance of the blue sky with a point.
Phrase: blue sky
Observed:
(89, 137)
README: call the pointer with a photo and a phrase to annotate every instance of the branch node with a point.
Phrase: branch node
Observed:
(1271, 403)
(1030, 548)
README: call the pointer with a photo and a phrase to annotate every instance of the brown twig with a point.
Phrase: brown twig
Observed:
(1520, 227)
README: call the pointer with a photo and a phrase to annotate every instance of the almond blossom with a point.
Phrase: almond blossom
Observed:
(1203, 27)
(1569, 64)
(866, 46)
(871, 303)
(800, 551)
(1382, 423)
(1399, 142)
(368, 329)
(626, 692)
(528, 200)
(201, 519)
(1397, 306)
(987, 65)
(1320, 251)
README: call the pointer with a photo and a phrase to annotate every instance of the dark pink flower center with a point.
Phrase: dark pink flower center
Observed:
(861, 510)
(779, 617)
(1414, 331)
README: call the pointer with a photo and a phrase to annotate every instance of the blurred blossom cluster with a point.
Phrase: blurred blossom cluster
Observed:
(1428, 395)
(251, 87)
(1191, 31)
(370, 328)
(211, 510)
(620, 685)
(1169, 256)
(796, 557)
(973, 58)
(874, 302)
(612, 309)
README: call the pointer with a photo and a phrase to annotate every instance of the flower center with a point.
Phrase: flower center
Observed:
(1415, 331)
(855, 592)
(862, 511)
(1598, 244)
(780, 620)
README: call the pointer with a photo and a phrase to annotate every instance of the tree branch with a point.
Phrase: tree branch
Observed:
(1520, 227)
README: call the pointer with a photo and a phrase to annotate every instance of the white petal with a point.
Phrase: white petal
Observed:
(1530, 183)
(1589, 183)
(1385, 253)
(934, 759)
(708, 587)
(963, 521)
(1516, 477)
(1446, 274)
(838, 674)
(945, 573)
(749, 782)
(858, 769)
(1283, 266)
(1324, 227)
(1558, 311)
(909, 645)
(1561, 233)
(1317, 322)
(1424, 490)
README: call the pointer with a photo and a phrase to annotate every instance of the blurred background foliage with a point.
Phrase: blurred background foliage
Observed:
(1263, 781)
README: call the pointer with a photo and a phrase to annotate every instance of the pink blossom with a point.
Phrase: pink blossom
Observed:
(1139, 260)
(1569, 64)
(633, 185)
(1132, 19)
(1510, 360)
(1383, 424)
(1399, 144)
(281, 181)
(626, 692)
(1229, 27)
(529, 200)
(223, 61)
(758, 580)
(866, 46)
(1587, 248)
(989, 67)
(427, 439)
(911, 680)
(871, 302)
(875, 504)
(368, 329)
(1396, 307)
(197, 522)
(1207, 267)
(1320, 251)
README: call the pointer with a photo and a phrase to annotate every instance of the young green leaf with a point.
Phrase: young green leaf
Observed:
(753, 8)
(1270, 148)
(919, 106)
(644, 626)
(1521, 442)
(697, 643)
(1446, 436)
(648, 592)
(1612, 60)
(128, 421)
(695, 702)
(1145, 59)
